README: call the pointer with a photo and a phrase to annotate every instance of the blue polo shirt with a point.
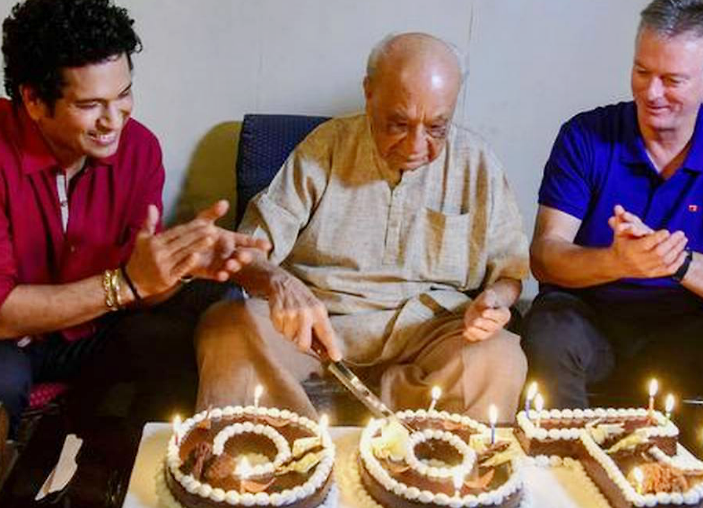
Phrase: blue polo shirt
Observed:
(598, 161)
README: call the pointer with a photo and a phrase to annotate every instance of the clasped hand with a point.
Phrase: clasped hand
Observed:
(485, 316)
(198, 248)
(642, 252)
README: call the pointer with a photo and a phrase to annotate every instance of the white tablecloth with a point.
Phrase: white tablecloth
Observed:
(551, 487)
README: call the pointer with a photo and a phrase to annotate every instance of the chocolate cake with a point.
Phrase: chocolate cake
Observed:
(636, 472)
(559, 430)
(245, 456)
(445, 460)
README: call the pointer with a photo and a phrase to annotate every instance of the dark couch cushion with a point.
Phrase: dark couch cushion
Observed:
(264, 144)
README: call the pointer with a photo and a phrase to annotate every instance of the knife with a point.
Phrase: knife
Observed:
(352, 383)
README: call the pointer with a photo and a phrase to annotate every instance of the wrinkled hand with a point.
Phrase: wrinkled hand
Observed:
(158, 261)
(230, 251)
(642, 252)
(485, 316)
(296, 313)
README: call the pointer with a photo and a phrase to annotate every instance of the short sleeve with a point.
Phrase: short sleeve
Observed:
(564, 185)
(8, 265)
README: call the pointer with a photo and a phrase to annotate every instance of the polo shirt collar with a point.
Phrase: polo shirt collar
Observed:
(634, 152)
(35, 152)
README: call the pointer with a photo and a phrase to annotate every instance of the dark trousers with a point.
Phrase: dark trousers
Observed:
(151, 347)
(572, 346)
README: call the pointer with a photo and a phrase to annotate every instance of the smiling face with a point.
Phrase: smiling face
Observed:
(667, 81)
(410, 104)
(89, 117)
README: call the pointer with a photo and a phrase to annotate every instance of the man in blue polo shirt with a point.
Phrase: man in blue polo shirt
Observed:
(619, 234)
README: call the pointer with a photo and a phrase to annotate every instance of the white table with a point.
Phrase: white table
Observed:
(552, 487)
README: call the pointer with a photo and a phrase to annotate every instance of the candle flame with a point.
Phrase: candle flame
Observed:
(176, 423)
(539, 402)
(670, 403)
(492, 414)
(258, 391)
(653, 387)
(532, 390)
(436, 392)
(243, 469)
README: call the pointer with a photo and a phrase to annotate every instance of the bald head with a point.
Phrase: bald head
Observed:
(409, 52)
(411, 88)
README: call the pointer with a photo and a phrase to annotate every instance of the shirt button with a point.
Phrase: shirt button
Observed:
(73, 248)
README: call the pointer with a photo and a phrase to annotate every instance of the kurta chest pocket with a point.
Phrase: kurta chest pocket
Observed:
(444, 251)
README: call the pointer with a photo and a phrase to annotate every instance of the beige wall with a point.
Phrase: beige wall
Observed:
(532, 64)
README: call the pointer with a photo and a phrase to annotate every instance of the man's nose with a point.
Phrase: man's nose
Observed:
(416, 140)
(111, 118)
(655, 89)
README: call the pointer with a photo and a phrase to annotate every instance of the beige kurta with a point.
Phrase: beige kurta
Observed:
(387, 252)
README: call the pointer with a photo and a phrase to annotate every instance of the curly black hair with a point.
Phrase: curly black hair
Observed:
(43, 37)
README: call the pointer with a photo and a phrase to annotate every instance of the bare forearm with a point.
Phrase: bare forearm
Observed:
(562, 263)
(507, 291)
(32, 309)
(35, 309)
(259, 276)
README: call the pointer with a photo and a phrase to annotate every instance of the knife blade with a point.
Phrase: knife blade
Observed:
(357, 388)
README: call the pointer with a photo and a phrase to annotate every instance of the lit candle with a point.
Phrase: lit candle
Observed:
(436, 394)
(458, 479)
(492, 419)
(653, 388)
(539, 405)
(531, 392)
(258, 392)
(669, 405)
(177, 428)
(639, 479)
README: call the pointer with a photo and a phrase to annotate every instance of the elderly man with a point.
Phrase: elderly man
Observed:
(396, 242)
(80, 201)
(619, 232)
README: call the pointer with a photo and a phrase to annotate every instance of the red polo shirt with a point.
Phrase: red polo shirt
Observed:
(107, 204)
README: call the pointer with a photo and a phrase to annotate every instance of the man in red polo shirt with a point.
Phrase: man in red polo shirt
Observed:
(80, 207)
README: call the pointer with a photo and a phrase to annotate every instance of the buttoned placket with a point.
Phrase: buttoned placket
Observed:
(391, 250)
(62, 189)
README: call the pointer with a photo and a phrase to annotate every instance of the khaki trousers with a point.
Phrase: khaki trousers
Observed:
(238, 348)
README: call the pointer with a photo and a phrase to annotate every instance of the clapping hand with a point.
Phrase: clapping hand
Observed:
(643, 252)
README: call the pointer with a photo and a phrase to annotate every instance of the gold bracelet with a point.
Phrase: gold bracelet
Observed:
(107, 288)
(116, 288)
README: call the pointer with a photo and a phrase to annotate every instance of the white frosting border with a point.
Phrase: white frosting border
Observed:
(664, 428)
(167, 500)
(376, 470)
(692, 496)
(233, 497)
